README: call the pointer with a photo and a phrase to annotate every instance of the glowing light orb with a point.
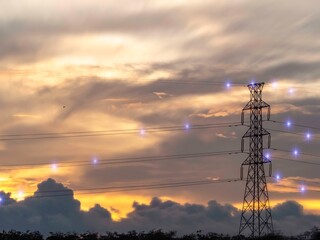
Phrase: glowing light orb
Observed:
(54, 166)
(228, 84)
(1, 199)
(288, 123)
(267, 156)
(308, 136)
(187, 126)
(20, 194)
(274, 84)
(295, 152)
(278, 177)
(291, 90)
(302, 189)
(142, 132)
(94, 161)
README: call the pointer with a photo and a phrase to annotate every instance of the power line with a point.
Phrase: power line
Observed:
(293, 124)
(298, 161)
(125, 188)
(201, 82)
(146, 80)
(301, 153)
(187, 182)
(289, 132)
(38, 136)
(129, 160)
(118, 130)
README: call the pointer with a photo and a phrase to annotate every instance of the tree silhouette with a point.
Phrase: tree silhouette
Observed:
(313, 234)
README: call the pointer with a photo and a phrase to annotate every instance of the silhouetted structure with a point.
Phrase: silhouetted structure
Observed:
(256, 213)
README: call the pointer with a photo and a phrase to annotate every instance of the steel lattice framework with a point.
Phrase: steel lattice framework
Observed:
(256, 212)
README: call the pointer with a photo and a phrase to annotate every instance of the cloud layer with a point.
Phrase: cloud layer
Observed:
(47, 211)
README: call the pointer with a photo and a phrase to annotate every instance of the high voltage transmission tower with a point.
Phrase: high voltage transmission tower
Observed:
(256, 212)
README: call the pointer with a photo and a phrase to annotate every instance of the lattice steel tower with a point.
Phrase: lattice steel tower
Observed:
(256, 213)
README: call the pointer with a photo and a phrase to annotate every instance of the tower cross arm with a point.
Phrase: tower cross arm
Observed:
(255, 133)
(256, 105)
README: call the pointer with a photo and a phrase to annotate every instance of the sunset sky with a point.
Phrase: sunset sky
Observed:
(85, 66)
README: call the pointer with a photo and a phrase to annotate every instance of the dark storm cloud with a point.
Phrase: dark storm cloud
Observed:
(5, 199)
(287, 209)
(63, 214)
(184, 218)
(51, 213)
(289, 218)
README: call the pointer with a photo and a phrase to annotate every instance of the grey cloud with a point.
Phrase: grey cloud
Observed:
(33, 37)
(76, 20)
(261, 30)
(287, 209)
(184, 169)
(25, 48)
(297, 71)
(80, 96)
(63, 214)
(290, 218)
(255, 18)
(89, 94)
(5, 199)
(52, 213)
(185, 218)
(120, 174)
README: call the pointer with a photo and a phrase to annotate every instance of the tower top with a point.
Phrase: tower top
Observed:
(255, 85)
